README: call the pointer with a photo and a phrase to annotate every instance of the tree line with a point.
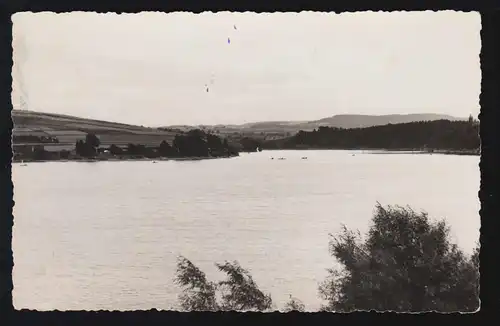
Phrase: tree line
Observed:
(430, 135)
(439, 134)
(195, 143)
(406, 263)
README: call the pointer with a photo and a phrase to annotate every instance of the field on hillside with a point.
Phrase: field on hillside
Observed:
(70, 129)
(68, 122)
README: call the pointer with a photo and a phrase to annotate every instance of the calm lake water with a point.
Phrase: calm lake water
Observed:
(106, 235)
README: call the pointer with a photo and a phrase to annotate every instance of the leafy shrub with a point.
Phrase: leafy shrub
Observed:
(407, 264)
(237, 292)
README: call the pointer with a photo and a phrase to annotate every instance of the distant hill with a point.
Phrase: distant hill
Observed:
(68, 128)
(346, 121)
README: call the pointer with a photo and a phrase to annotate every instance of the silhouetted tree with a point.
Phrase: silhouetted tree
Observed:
(180, 144)
(192, 144)
(198, 293)
(79, 147)
(151, 152)
(87, 148)
(83, 149)
(115, 150)
(92, 140)
(131, 149)
(237, 292)
(216, 145)
(165, 150)
(250, 144)
(139, 150)
(230, 150)
(407, 263)
(214, 142)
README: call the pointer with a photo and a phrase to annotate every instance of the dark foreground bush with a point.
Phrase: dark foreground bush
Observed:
(406, 263)
(238, 292)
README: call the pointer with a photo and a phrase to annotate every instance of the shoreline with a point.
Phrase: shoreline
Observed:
(387, 151)
(124, 159)
(441, 152)
(368, 150)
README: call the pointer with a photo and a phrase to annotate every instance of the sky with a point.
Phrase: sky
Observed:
(154, 69)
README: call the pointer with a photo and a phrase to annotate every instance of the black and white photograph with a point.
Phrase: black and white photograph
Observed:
(227, 161)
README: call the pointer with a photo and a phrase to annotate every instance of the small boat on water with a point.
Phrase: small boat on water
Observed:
(154, 161)
(304, 158)
(281, 158)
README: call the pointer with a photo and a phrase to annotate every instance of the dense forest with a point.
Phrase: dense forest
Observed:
(439, 134)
